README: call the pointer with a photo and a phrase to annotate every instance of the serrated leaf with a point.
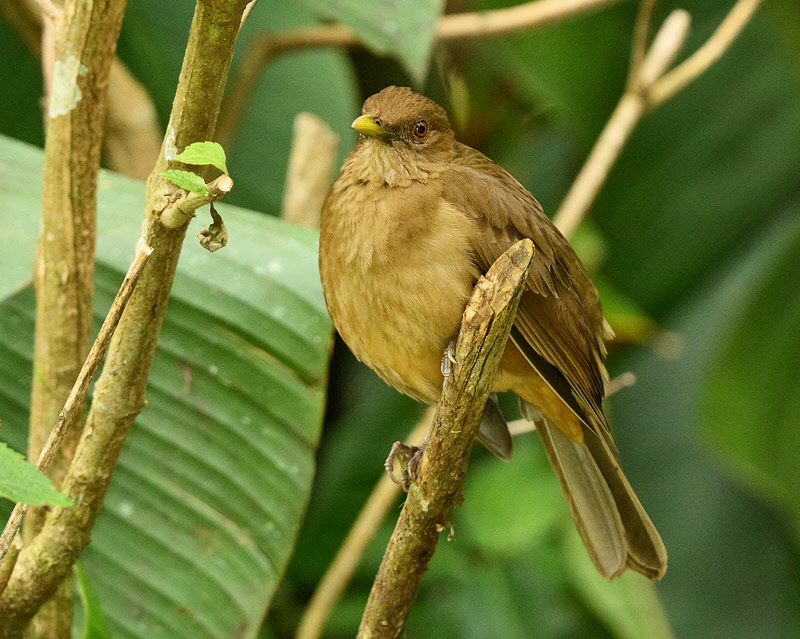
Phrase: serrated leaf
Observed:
(186, 180)
(21, 482)
(204, 153)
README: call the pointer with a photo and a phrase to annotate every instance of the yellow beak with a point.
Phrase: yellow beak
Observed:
(366, 125)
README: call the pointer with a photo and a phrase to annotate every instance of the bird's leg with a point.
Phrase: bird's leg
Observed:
(409, 458)
(448, 359)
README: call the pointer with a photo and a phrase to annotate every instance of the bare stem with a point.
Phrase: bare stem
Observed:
(621, 124)
(711, 51)
(640, 32)
(651, 85)
(437, 486)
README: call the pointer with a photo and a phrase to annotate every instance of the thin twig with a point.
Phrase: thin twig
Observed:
(480, 24)
(622, 122)
(341, 569)
(437, 485)
(76, 397)
(651, 86)
(707, 54)
(640, 32)
(179, 213)
(485, 24)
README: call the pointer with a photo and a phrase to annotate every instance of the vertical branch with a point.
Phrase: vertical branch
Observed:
(119, 393)
(85, 41)
(64, 265)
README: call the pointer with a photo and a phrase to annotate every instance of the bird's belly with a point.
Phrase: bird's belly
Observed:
(399, 318)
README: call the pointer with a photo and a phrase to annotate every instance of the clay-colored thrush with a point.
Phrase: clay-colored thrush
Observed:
(408, 225)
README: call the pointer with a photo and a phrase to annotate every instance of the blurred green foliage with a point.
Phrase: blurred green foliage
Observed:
(694, 240)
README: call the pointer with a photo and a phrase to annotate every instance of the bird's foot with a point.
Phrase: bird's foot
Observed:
(448, 359)
(409, 458)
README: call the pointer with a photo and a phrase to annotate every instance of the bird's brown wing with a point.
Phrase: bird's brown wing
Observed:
(560, 319)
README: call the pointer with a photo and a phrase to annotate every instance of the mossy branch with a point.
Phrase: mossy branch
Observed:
(484, 331)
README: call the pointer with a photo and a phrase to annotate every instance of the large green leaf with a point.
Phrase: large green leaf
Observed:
(751, 403)
(204, 508)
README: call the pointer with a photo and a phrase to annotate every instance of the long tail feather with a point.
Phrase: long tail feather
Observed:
(614, 526)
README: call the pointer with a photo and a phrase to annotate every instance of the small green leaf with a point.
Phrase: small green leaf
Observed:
(95, 625)
(186, 180)
(21, 482)
(203, 153)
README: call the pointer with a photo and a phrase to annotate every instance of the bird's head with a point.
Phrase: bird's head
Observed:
(399, 121)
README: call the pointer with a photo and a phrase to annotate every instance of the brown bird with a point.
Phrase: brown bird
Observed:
(407, 227)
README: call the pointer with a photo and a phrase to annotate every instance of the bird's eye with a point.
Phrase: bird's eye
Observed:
(421, 129)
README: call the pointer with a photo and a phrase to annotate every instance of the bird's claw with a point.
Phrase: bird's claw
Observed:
(448, 359)
(409, 458)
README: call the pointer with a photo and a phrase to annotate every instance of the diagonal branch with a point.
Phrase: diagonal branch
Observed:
(650, 84)
(484, 331)
(69, 414)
